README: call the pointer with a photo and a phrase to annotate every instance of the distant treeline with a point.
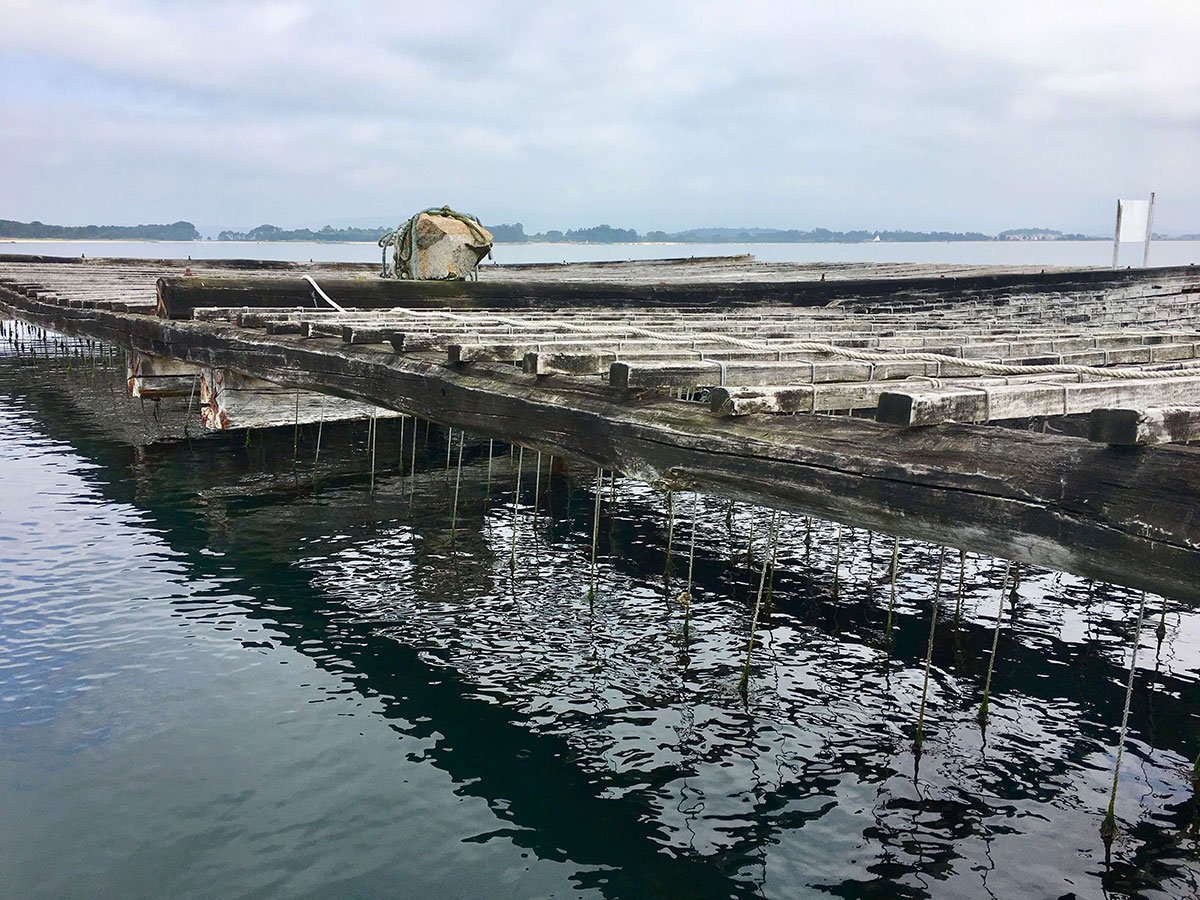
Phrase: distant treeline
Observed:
(328, 233)
(606, 234)
(515, 234)
(177, 231)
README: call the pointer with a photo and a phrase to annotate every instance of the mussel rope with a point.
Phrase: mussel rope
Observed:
(404, 239)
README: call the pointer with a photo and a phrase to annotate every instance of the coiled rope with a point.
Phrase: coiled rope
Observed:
(404, 239)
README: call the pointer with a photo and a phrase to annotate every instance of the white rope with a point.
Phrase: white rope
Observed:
(324, 296)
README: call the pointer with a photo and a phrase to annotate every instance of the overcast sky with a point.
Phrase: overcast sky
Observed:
(927, 115)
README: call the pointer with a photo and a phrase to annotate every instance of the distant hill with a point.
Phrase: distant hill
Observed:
(177, 231)
(514, 233)
(1040, 234)
(328, 233)
(606, 234)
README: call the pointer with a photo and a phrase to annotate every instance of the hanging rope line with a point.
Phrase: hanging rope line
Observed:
(320, 428)
(512, 563)
(670, 541)
(937, 591)
(403, 238)
(685, 598)
(192, 396)
(457, 482)
(595, 538)
(962, 574)
(887, 629)
(987, 684)
(772, 537)
(1109, 826)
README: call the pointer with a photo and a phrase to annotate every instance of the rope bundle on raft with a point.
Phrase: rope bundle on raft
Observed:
(436, 244)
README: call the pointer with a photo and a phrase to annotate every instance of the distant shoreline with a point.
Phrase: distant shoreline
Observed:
(212, 241)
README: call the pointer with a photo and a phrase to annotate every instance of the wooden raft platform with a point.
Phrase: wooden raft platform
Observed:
(1061, 397)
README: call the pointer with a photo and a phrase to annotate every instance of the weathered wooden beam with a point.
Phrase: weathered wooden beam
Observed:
(641, 375)
(810, 398)
(933, 406)
(1049, 500)
(1154, 425)
(177, 297)
(232, 400)
(154, 377)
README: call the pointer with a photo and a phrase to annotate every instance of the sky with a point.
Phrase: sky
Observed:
(849, 114)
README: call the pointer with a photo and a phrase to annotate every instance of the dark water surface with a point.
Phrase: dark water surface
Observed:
(219, 678)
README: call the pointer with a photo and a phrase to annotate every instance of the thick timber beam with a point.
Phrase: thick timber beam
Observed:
(933, 406)
(1156, 425)
(179, 296)
(1131, 517)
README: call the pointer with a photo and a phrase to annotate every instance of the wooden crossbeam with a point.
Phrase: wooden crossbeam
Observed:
(154, 377)
(1153, 425)
(835, 396)
(989, 404)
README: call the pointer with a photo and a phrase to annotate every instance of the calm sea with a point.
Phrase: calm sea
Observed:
(226, 672)
(1049, 253)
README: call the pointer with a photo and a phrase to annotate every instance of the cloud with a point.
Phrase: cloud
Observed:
(872, 114)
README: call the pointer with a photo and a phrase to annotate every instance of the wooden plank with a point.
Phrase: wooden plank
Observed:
(810, 398)
(990, 404)
(634, 375)
(1154, 425)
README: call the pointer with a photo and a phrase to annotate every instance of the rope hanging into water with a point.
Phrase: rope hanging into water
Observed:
(1109, 826)
(987, 684)
(772, 537)
(404, 239)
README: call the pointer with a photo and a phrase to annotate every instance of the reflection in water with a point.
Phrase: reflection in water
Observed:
(223, 675)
